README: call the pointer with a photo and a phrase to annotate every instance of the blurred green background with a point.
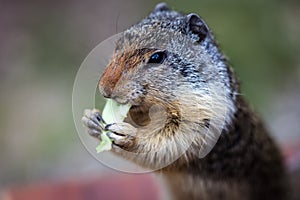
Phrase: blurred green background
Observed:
(44, 42)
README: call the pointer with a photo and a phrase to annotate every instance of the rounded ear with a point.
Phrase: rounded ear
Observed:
(197, 26)
(161, 7)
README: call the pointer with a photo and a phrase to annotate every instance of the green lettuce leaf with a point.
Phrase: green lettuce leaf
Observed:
(105, 144)
(113, 112)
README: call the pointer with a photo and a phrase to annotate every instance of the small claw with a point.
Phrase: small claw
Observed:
(106, 128)
(115, 137)
(92, 115)
(122, 134)
(121, 128)
(120, 141)
(89, 123)
(98, 116)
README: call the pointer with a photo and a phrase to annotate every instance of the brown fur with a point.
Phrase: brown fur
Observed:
(124, 62)
(244, 164)
(186, 106)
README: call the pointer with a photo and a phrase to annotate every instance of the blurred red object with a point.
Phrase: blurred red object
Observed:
(123, 187)
(291, 153)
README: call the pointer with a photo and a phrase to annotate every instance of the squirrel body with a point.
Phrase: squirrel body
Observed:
(209, 144)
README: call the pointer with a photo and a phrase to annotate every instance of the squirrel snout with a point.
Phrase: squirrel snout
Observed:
(105, 91)
(106, 87)
(109, 80)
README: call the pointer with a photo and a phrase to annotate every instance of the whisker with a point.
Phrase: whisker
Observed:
(117, 20)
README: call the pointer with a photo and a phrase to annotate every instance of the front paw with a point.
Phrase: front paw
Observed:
(93, 121)
(122, 134)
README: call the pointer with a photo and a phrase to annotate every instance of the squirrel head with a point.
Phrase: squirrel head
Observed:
(170, 59)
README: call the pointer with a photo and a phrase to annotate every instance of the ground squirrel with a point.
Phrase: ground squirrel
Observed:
(190, 84)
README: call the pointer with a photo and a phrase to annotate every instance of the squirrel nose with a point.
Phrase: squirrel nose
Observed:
(109, 79)
(105, 91)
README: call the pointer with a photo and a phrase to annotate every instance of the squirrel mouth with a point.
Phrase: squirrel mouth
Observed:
(138, 115)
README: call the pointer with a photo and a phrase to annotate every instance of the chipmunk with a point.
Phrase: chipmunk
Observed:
(169, 64)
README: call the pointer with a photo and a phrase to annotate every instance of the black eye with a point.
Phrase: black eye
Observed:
(157, 57)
